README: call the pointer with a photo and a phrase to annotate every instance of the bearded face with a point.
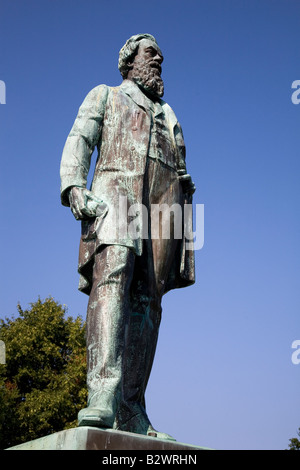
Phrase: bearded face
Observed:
(147, 76)
(146, 69)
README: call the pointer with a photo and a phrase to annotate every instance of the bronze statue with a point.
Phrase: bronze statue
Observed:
(141, 163)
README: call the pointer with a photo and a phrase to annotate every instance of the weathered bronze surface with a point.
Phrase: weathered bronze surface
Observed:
(126, 263)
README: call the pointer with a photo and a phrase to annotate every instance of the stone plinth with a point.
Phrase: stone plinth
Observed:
(89, 438)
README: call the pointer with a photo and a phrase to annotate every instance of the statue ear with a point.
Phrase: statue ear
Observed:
(131, 61)
(129, 67)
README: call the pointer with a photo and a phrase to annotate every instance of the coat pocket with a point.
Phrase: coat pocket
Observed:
(90, 228)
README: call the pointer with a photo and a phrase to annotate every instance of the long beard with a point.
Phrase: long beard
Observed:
(148, 78)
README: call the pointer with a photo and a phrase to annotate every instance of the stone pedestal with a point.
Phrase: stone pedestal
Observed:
(89, 438)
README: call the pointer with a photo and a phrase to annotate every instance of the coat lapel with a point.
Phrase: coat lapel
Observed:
(169, 113)
(132, 90)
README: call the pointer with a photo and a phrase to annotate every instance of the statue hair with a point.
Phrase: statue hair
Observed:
(129, 50)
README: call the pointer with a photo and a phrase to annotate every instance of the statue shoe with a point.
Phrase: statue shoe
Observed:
(138, 423)
(94, 417)
(151, 432)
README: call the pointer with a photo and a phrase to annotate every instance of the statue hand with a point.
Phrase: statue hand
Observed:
(187, 183)
(84, 204)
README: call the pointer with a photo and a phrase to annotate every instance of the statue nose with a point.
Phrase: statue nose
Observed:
(158, 58)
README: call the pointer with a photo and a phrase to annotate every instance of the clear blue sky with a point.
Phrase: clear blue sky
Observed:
(223, 375)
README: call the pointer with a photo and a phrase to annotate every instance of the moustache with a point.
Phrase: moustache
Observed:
(155, 65)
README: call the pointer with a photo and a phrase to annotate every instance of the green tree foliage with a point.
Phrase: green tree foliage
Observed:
(295, 443)
(42, 384)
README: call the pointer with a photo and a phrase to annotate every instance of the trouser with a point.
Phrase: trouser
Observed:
(123, 318)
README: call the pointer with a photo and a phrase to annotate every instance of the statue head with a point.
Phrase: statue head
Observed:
(140, 60)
